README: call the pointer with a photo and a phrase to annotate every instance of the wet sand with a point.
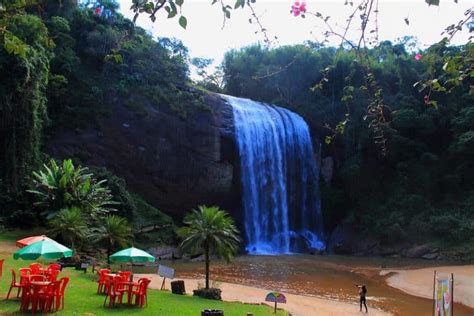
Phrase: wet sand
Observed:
(419, 282)
(297, 305)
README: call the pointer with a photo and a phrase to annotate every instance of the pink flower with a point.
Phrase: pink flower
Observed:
(297, 8)
(426, 99)
(418, 56)
(98, 10)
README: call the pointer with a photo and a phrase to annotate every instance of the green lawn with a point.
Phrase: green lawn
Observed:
(12, 235)
(81, 297)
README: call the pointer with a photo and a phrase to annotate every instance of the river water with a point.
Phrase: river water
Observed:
(332, 277)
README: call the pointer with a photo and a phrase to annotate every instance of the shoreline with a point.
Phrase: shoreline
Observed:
(297, 305)
(419, 282)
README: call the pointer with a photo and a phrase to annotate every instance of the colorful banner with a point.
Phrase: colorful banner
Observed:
(443, 297)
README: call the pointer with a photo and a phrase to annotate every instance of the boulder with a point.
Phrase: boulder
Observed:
(431, 256)
(419, 251)
(165, 253)
(175, 163)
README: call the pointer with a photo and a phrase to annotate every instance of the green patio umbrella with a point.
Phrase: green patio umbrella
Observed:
(132, 255)
(48, 249)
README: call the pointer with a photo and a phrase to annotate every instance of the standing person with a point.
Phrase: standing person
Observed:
(362, 292)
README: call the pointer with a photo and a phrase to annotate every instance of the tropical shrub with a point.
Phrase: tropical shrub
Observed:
(69, 225)
(58, 187)
(113, 232)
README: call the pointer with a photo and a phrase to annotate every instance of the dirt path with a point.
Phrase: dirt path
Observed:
(7, 247)
(297, 305)
(419, 282)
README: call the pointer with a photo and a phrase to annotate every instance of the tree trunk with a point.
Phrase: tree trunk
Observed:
(207, 264)
(109, 252)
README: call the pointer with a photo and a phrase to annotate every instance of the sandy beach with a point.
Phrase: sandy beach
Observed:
(297, 305)
(419, 282)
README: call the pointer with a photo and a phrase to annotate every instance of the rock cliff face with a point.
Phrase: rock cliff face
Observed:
(175, 164)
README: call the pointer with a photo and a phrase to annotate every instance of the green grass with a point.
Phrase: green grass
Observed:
(81, 297)
(13, 235)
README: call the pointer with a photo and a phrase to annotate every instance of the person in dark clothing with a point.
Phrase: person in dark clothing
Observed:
(362, 292)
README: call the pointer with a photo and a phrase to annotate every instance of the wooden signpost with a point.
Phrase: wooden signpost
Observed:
(165, 272)
(275, 297)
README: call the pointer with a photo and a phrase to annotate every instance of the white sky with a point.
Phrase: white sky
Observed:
(205, 36)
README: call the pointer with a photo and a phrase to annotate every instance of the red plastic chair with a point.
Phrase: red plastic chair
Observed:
(15, 284)
(125, 274)
(24, 271)
(38, 278)
(59, 293)
(114, 291)
(48, 296)
(52, 275)
(26, 295)
(32, 293)
(1, 267)
(55, 266)
(102, 280)
(141, 292)
(36, 293)
(35, 268)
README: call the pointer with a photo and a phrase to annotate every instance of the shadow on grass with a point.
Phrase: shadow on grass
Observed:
(12, 304)
(124, 308)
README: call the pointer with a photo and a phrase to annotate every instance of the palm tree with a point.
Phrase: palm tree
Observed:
(69, 225)
(210, 228)
(115, 231)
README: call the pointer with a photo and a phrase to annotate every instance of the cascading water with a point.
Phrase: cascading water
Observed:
(279, 175)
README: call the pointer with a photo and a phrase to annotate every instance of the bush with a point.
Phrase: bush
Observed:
(393, 234)
(212, 293)
(21, 218)
(452, 227)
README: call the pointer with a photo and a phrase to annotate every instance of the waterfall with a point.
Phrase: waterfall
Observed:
(279, 177)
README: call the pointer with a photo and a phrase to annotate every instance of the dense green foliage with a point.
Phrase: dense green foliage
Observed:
(76, 207)
(210, 229)
(149, 224)
(66, 186)
(22, 97)
(72, 67)
(422, 188)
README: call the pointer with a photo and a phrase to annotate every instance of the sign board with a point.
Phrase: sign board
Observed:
(165, 272)
(275, 297)
(443, 298)
(443, 289)
(84, 265)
